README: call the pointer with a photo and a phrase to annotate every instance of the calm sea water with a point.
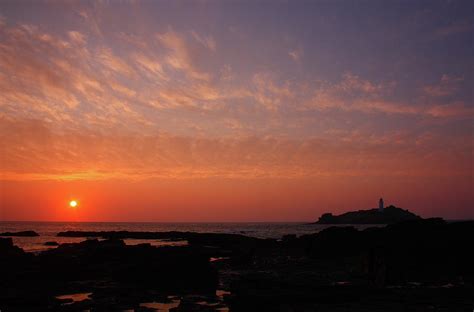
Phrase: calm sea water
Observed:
(48, 230)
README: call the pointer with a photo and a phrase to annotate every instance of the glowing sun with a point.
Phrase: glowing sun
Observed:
(73, 203)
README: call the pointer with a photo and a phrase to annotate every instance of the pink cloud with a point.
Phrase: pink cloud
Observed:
(36, 151)
(207, 41)
(448, 85)
(454, 28)
(180, 57)
(451, 110)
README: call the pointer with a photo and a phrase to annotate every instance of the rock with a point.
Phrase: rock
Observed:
(343, 269)
(23, 234)
(51, 244)
(210, 244)
(413, 265)
(212, 239)
(288, 238)
(327, 218)
(8, 251)
(126, 270)
(5, 244)
(389, 215)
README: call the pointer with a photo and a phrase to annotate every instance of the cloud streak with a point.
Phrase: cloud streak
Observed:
(77, 106)
(82, 155)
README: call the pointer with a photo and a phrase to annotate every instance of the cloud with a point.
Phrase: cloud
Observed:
(52, 77)
(91, 19)
(38, 152)
(454, 28)
(448, 85)
(353, 83)
(122, 89)
(451, 110)
(81, 83)
(77, 106)
(268, 93)
(206, 41)
(77, 37)
(226, 73)
(114, 63)
(133, 40)
(180, 56)
(353, 94)
(296, 54)
(199, 96)
(150, 67)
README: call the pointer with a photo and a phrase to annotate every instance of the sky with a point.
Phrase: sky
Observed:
(235, 110)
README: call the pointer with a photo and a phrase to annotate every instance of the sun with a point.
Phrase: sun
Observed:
(73, 203)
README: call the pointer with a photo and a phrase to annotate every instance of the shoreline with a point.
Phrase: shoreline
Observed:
(377, 264)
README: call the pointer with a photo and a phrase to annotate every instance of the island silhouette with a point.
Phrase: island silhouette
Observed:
(380, 215)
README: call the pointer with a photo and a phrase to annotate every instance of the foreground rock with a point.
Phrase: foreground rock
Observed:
(22, 234)
(423, 265)
(109, 269)
(240, 247)
(216, 239)
(52, 243)
(389, 215)
(420, 265)
(9, 252)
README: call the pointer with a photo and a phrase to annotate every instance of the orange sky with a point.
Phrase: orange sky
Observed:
(224, 199)
(211, 111)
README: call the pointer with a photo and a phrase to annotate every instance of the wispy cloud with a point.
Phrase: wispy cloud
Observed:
(206, 41)
(447, 85)
(455, 27)
(82, 155)
(451, 110)
(296, 54)
(77, 37)
(180, 56)
(352, 93)
(268, 93)
(60, 77)
(94, 103)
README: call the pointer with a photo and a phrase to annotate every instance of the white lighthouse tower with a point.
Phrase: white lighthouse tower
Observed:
(381, 205)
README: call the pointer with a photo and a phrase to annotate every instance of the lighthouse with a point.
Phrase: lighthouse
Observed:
(381, 205)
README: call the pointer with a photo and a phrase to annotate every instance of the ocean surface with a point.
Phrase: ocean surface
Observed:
(49, 230)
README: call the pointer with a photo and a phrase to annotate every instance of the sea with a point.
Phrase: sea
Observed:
(48, 231)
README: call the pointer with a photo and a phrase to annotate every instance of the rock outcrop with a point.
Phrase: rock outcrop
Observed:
(418, 265)
(126, 272)
(422, 265)
(389, 215)
(20, 234)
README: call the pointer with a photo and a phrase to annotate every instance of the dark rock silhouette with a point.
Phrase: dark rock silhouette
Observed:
(8, 250)
(390, 214)
(413, 265)
(211, 238)
(51, 244)
(23, 233)
(33, 282)
(417, 265)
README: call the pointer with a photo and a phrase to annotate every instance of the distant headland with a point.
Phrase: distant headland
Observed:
(380, 215)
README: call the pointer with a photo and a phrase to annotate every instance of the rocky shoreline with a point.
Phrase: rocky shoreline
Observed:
(20, 234)
(421, 265)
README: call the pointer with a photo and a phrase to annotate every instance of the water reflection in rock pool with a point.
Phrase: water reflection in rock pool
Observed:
(71, 298)
(216, 303)
(162, 306)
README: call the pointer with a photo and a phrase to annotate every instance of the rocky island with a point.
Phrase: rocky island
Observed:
(387, 215)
